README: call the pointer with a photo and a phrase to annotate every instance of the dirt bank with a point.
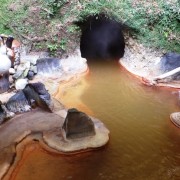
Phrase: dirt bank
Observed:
(144, 63)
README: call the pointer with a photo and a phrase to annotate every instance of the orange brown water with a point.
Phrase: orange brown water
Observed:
(143, 142)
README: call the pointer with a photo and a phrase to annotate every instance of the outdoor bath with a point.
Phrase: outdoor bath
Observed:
(143, 144)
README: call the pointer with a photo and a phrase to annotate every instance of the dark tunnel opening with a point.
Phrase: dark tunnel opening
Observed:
(101, 38)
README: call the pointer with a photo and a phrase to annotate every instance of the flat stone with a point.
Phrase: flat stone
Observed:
(36, 92)
(47, 66)
(55, 139)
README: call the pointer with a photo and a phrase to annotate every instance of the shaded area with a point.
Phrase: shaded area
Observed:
(101, 38)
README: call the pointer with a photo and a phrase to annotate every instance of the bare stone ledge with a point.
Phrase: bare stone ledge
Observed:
(56, 139)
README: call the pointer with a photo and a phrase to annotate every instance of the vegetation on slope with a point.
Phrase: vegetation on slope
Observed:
(48, 24)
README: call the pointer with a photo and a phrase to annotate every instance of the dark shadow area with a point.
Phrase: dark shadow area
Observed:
(102, 38)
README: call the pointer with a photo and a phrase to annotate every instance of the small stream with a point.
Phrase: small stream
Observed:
(144, 144)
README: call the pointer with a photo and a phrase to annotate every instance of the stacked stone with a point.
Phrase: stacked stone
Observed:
(25, 69)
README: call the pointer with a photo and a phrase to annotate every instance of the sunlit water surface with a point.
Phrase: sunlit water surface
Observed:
(144, 144)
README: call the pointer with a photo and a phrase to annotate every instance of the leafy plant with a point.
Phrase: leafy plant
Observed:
(63, 44)
(55, 5)
(52, 47)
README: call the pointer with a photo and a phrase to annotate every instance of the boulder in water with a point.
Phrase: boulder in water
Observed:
(78, 125)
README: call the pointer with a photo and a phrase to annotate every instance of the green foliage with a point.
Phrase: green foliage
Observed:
(52, 47)
(55, 5)
(157, 23)
(3, 25)
(63, 44)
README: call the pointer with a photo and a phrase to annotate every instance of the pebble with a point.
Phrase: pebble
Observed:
(12, 71)
(23, 66)
(34, 69)
(21, 83)
(30, 75)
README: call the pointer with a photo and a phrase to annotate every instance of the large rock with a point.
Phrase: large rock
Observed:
(169, 62)
(18, 103)
(48, 65)
(32, 95)
(77, 125)
(37, 93)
